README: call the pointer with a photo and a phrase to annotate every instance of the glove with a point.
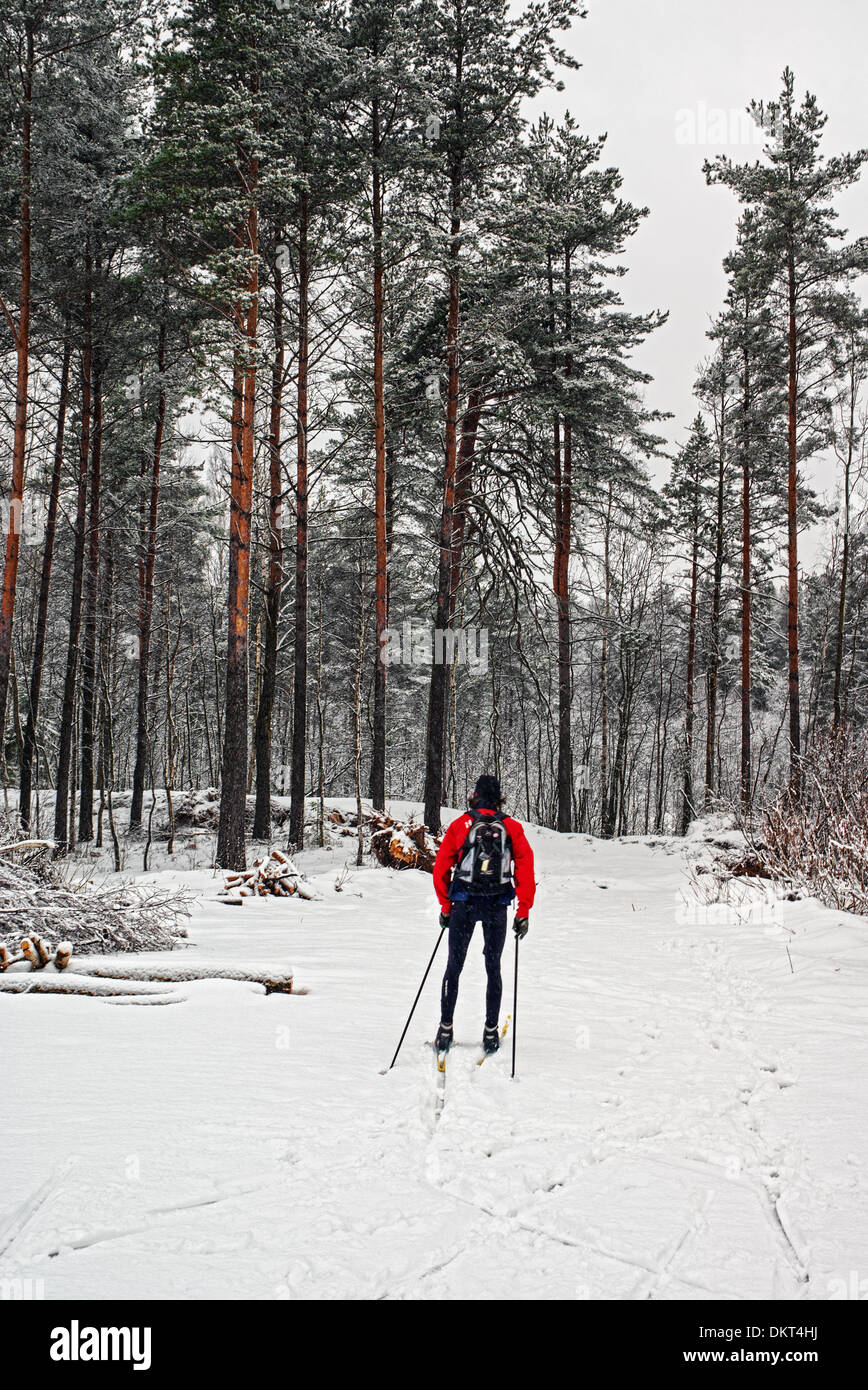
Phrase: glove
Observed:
(520, 926)
(444, 920)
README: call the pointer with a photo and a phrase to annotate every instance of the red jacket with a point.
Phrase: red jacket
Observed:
(522, 854)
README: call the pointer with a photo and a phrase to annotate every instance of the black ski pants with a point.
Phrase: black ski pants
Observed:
(463, 917)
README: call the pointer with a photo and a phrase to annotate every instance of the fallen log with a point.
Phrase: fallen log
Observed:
(274, 982)
(141, 984)
(27, 844)
(40, 982)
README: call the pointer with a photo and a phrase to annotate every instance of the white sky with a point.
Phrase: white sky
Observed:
(646, 61)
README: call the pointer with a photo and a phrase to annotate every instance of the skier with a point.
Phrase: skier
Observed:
(492, 862)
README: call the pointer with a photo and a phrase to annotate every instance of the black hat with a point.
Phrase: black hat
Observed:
(487, 793)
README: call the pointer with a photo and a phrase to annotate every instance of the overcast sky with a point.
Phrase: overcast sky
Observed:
(656, 72)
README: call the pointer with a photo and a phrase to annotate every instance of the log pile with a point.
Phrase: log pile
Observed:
(37, 894)
(394, 843)
(273, 876)
(34, 953)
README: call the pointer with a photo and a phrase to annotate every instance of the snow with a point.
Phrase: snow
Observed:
(688, 1119)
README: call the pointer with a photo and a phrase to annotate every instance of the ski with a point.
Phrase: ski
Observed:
(440, 1098)
(503, 1033)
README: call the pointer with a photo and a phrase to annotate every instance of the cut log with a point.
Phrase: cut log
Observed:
(44, 950)
(274, 875)
(71, 983)
(275, 982)
(28, 950)
(139, 984)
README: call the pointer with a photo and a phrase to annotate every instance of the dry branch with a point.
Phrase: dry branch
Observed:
(38, 895)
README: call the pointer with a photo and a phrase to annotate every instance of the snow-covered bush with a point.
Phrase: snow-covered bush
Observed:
(818, 842)
(200, 810)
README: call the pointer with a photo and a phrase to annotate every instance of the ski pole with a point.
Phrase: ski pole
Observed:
(514, 1005)
(416, 1000)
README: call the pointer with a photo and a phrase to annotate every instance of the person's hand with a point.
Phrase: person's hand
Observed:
(520, 926)
(444, 920)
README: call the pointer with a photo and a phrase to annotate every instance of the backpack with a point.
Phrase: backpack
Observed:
(484, 864)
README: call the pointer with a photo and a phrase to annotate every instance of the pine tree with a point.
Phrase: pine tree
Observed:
(851, 363)
(386, 101)
(482, 62)
(791, 192)
(690, 493)
(758, 429)
(576, 225)
(214, 75)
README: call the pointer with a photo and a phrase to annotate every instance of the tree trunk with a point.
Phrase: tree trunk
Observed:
(105, 771)
(67, 717)
(845, 554)
(357, 714)
(231, 832)
(299, 692)
(606, 828)
(88, 675)
(170, 753)
(147, 565)
(746, 778)
(265, 709)
(28, 754)
(463, 478)
(563, 534)
(377, 786)
(21, 336)
(688, 809)
(793, 537)
(435, 742)
(320, 723)
(717, 583)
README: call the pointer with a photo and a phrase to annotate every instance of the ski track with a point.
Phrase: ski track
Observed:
(684, 1122)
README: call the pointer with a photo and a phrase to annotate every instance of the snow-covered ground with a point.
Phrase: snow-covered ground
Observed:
(688, 1118)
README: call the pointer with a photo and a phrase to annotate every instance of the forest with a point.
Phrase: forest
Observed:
(328, 469)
